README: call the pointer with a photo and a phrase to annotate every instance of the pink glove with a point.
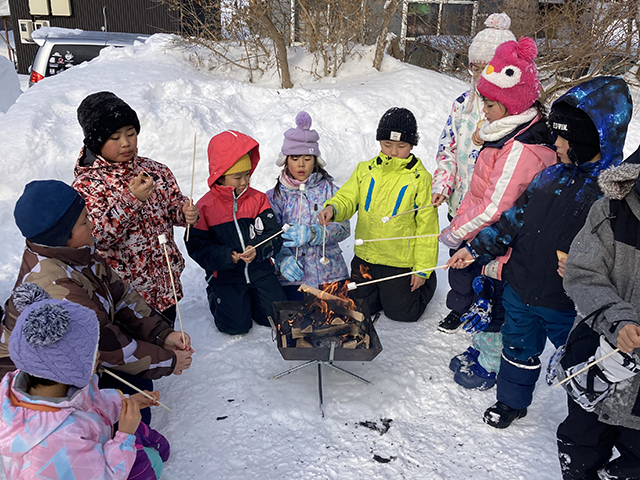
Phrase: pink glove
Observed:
(448, 240)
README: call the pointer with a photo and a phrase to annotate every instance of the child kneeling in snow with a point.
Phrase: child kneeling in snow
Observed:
(55, 422)
(303, 187)
(590, 124)
(393, 182)
(241, 280)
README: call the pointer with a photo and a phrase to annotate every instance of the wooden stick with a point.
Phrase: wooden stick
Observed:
(360, 241)
(353, 285)
(386, 219)
(163, 241)
(322, 295)
(586, 367)
(285, 227)
(345, 303)
(301, 187)
(131, 385)
(193, 174)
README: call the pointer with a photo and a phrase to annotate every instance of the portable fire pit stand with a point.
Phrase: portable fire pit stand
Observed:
(328, 363)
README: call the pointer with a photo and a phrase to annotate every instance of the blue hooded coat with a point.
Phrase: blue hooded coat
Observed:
(554, 207)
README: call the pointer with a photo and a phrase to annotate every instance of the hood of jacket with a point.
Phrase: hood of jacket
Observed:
(25, 428)
(225, 149)
(617, 183)
(608, 103)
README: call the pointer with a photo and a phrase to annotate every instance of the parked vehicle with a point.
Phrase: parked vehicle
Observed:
(62, 48)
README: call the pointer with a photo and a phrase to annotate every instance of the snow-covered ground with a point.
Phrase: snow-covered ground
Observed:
(230, 420)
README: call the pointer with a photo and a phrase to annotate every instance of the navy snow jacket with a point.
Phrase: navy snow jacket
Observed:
(554, 207)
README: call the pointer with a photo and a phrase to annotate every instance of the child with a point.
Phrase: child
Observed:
(457, 154)
(131, 200)
(306, 242)
(601, 277)
(590, 124)
(60, 257)
(55, 422)
(517, 145)
(393, 182)
(242, 284)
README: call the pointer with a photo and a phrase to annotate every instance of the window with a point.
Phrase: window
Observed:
(439, 17)
(66, 56)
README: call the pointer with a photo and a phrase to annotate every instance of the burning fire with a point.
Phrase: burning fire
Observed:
(335, 289)
(364, 272)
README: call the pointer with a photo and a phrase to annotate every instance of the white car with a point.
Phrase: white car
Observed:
(62, 48)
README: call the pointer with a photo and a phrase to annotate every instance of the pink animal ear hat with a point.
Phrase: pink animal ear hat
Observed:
(511, 77)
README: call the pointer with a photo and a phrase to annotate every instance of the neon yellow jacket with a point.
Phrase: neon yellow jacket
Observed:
(385, 186)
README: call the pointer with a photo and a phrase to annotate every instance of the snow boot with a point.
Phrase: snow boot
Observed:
(451, 323)
(465, 359)
(500, 415)
(475, 377)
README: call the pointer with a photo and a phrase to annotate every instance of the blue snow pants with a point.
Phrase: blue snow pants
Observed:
(524, 334)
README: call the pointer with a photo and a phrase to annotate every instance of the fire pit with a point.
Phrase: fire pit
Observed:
(324, 328)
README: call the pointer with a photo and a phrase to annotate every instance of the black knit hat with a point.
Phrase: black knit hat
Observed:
(100, 114)
(575, 126)
(47, 211)
(398, 124)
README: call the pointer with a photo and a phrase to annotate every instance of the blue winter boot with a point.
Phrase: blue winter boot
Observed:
(475, 377)
(465, 359)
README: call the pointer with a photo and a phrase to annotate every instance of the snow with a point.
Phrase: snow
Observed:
(9, 84)
(230, 420)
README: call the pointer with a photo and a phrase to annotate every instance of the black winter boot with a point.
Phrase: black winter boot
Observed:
(451, 323)
(500, 415)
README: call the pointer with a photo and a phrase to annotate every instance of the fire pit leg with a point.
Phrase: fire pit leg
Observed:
(340, 369)
(320, 388)
(297, 367)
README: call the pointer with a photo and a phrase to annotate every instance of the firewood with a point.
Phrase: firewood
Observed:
(337, 321)
(302, 343)
(283, 338)
(322, 295)
(350, 344)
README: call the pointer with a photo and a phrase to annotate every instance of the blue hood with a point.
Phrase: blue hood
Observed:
(608, 103)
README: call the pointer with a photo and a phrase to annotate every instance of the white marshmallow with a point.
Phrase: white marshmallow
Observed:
(162, 238)
(358, 241)
(351, 286)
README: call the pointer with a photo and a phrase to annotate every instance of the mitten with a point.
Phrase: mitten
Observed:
(297, 236)
(493, 269)
(448, 240)
(290, 268)
(479, 315)
(552, 368)
(149, 437)
(596, 383)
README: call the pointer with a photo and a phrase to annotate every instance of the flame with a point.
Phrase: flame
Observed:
(337, 289)
(364, 272)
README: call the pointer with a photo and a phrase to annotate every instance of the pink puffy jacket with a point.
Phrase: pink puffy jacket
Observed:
(70, 439)
(502, 173)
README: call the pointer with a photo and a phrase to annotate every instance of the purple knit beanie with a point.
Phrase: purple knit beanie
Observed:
(300, 140)
(53, 339)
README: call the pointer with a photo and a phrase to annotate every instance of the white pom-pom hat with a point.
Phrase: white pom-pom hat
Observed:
(484, 44)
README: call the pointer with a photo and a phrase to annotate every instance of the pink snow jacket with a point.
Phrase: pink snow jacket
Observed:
(126, 229)
(516, 148)
(60, 440)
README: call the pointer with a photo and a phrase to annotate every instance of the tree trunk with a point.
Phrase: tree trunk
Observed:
(381, 44)
(281, 50)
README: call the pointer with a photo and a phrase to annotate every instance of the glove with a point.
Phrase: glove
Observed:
(297, 235)
(317, 232)
(448, 240)
(552, 368)
(595, 384)
(493, 269)
(479, 315)
(291, 269)
(148, 437)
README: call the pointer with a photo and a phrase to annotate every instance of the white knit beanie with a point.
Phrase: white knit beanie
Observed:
(484, 44)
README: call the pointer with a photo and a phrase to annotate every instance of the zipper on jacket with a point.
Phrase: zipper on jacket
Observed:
(235, 222)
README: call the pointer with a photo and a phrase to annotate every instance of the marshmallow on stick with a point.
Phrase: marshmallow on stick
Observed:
(301, 187)
(162, 238)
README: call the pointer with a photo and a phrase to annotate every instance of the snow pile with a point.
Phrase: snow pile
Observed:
(9, 84)
(229, 419)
